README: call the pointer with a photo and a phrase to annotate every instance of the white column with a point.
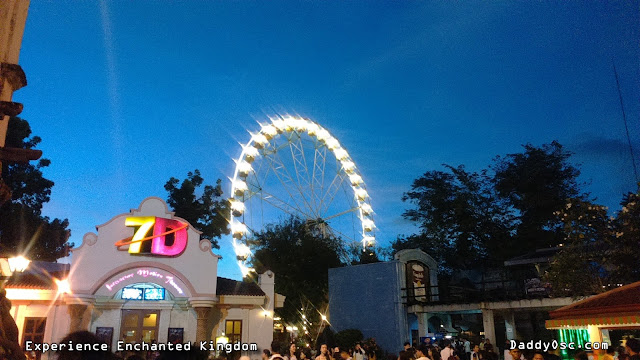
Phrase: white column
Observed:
(510, 325)
(489, 325)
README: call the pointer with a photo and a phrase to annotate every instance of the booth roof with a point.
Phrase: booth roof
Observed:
(233, 287)
(619, 306)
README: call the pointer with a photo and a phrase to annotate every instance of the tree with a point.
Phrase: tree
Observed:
(462, 223)
(23, 229)
(622, 256)
(577, 269)
(537, 184)
(301, 258)
(207, 213)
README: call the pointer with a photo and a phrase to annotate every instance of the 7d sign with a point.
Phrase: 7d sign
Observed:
(156, 231)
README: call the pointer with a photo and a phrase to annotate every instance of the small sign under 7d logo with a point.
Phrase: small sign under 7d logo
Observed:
(156, 232)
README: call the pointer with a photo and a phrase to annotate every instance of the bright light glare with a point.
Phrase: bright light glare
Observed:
(361, 193)
(64, 287)
(341, 154)
(18, 263)
(367, 224)
(323, 317)
(366, 209)
(244, 167)
(355, 179)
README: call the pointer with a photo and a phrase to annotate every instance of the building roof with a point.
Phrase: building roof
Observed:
(39, 275)
(232, 287)
(536, 257)
(620, 301)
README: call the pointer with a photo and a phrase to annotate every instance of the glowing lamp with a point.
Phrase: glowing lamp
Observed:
(355, 179)
(348, 166)
(239, 187)
(280, 125)
(238, 230)
(332, 143)
(18, 264)
(323, 317)
(64, 287)
(269, 131)
(361, 194)
(312, 129)
(323, 135)
(251, 153)
(341, 154)
(366, 209)
(222, 339)
(367, 224)
(242, 251)
(369, 240)
(244, 168)
(260, 140)
(237, 207)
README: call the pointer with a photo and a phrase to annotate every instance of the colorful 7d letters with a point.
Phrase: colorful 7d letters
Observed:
(161, 227)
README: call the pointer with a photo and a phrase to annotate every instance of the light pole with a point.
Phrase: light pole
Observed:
(9, 345)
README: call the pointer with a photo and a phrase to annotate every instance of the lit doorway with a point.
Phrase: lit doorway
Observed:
(139, 326)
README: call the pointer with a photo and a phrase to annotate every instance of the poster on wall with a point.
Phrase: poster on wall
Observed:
(417, 281)
(176, 335)
(105, 334)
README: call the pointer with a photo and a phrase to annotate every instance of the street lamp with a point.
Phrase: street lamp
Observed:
(11, 265)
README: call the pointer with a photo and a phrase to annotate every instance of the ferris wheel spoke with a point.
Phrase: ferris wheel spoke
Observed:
(300, 163)
(297, 186)
(332, 190)
(283, 176)
(341, 213)
(318, 158)
(285, 207)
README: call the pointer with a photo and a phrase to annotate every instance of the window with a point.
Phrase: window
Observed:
(143, 292)
(139, 325)
(34, 331)
(233, 330)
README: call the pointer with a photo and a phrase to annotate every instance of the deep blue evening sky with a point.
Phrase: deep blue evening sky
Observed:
(126, 94)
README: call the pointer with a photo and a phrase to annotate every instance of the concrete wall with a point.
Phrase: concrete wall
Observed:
(368, 298)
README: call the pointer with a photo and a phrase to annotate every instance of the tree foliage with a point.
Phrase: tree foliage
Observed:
(622, 255)
(206, 213)
(462, 223)
(23, 228)
(537, 183)
(578, 269)
(300, 258)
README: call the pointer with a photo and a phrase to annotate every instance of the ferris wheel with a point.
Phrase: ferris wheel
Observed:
(293, 167)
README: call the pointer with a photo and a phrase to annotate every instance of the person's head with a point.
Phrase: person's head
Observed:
(266, 353)
(336, 350)
(427, 340)
(581, 355)
(83, 337)
(515, 353)
(135, 357)
(358, 347)
(487, 341)
(244, 357)
(407, 345)
(476, 348)
(292, 348)
(422, 351)
(633, 346)
(275, 347)
(323, 349)
(344, 354)
(611, 350)
(538, 356)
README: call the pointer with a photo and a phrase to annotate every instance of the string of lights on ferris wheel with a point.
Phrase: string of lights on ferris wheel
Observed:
(252, 150)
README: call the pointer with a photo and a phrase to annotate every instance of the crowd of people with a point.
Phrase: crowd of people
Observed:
(358, 351)
(463, 349)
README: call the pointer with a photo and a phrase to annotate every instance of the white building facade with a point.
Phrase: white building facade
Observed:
(144, 277)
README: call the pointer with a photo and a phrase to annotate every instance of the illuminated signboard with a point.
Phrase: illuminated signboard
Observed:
(140, 293)
(154, 294)
(166, 237)
(130, 293)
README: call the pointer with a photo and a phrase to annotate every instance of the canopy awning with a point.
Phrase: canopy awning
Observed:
(583, 323)
(617, 307)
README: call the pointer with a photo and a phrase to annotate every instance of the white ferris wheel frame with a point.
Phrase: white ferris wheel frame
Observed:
(287, 126)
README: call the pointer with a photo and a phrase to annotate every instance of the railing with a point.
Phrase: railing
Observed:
(501, 290)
